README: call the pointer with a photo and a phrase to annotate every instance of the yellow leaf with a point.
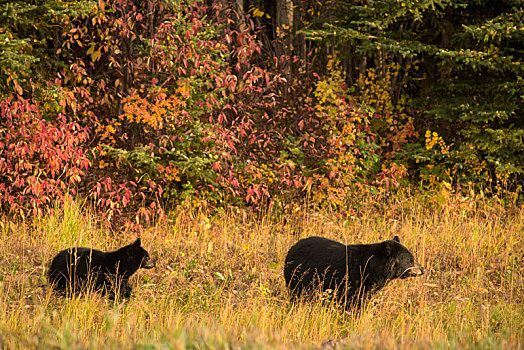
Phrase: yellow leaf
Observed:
(96, 56)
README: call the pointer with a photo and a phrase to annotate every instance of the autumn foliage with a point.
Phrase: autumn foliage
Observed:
(42, 159)
(140, 106)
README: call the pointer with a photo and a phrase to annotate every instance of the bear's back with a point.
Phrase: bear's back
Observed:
(315, 250)
(75, 263)
(313, 261)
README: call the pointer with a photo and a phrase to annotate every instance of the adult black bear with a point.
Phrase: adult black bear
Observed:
(78, 268)
(352, 271)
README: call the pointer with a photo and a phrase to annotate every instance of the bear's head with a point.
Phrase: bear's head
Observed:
(401, 263)
(138, 257)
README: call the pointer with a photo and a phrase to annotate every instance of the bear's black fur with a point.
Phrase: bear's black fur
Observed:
(352, 271)
(79, 268)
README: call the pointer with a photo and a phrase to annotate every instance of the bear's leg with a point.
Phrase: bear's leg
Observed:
(121, 289)
(125, 289)
(126, 292)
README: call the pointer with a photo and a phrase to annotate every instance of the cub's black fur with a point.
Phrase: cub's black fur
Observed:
(352, 271)
(78, 268)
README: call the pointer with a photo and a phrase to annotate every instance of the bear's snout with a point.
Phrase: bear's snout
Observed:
(413, 271)
(147, 263)
(416, 270)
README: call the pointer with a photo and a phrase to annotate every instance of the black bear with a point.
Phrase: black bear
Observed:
(351, 271)
(78, 268)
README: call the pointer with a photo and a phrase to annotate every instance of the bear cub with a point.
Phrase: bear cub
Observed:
(352, 272)
(79, 268)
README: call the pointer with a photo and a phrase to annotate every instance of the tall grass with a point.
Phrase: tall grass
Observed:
(219, 282)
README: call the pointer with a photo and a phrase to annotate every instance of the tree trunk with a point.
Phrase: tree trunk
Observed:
(283, 25)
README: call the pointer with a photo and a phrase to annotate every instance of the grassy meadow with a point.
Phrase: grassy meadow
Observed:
(219, 281)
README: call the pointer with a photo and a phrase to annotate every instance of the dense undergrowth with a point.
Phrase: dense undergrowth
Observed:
(219, 282)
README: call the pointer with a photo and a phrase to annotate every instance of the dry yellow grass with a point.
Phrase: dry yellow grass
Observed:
(219, 282)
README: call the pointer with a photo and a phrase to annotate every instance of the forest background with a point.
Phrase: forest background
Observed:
(138, 107)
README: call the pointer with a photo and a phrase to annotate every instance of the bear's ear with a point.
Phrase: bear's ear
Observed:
(396, 239)
(137, 242)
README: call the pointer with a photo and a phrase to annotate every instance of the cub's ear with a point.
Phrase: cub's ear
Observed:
(137, 242)
(396, 239)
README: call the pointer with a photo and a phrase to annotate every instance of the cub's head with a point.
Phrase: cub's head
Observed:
(138, 256)
(401, 263)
